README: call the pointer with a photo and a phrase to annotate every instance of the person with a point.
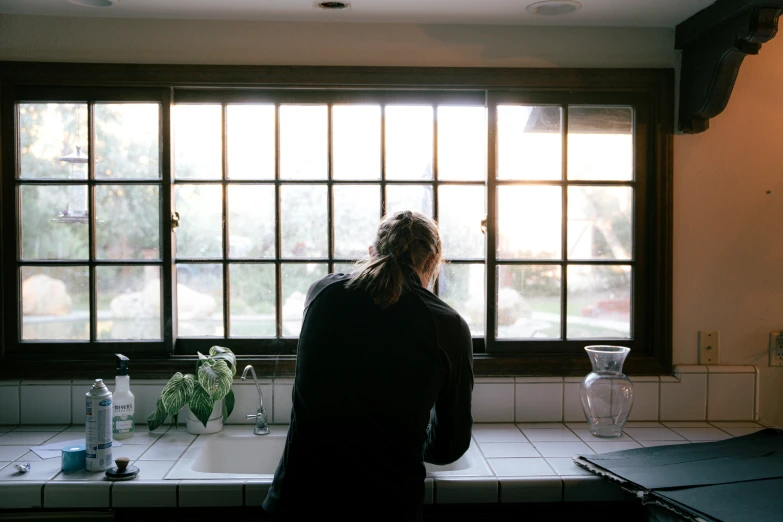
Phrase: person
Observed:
(383, 383)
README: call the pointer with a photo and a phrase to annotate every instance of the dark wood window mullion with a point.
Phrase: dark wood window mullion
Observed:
(435, 184)
(278, 232)
(10, 286)
(102, 262)
(490, 289)
(321, 182)
(96, 182)
(168, 275)
(383, 160)
(224, 186)
(91, 221)
(564, 237)
(330, 188)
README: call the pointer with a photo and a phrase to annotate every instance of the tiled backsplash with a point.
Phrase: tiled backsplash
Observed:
(695, 393)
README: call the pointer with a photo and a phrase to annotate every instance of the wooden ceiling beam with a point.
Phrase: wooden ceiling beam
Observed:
(714, 43)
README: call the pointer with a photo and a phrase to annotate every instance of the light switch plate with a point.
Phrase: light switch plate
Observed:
(709, 347)
(776, 349)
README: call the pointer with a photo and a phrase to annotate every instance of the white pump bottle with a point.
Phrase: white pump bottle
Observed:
(123, 424)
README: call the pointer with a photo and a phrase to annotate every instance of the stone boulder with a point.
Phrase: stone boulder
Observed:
(44, 295)
(512, 307)
(145, 304)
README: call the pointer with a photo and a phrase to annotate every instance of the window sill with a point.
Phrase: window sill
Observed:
(20, 366)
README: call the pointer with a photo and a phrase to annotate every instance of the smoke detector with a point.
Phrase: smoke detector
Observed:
(95, 3)
(332, 6)
(553, 7)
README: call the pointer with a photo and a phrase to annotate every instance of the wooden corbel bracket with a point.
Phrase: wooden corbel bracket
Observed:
(713, 46)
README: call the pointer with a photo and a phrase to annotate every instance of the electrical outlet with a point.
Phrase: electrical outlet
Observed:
(776, 349)
(709, 347)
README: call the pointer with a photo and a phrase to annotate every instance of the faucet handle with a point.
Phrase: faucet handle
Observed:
(261, 427)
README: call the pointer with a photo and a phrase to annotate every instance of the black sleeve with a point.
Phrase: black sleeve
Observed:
(448, 437)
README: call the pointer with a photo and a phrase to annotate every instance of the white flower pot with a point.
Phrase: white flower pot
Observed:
(214, 424)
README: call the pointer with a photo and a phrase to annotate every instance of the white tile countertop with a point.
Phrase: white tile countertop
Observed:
(529, 462)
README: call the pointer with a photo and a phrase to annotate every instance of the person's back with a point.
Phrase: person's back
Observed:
(367, 378)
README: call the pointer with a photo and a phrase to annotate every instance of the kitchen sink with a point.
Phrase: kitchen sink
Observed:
(236, 453)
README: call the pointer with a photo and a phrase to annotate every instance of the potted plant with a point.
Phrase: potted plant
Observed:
(207, 395)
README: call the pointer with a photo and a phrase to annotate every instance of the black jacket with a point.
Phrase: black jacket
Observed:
(363, 421)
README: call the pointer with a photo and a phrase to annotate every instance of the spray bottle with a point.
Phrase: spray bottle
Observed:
(123, 424)
(97, 429)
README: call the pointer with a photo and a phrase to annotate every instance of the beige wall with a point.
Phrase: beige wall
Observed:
(728, 232)
(225, 42)
(728, 241)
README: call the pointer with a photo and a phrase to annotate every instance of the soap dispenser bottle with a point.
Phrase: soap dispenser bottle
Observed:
(123, 425)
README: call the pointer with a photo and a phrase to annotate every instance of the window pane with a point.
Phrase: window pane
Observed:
(461, 210)
(462, 143)
(127, 141)
(600, 222)
(251, 221)
(128, 302)
(200, 232)
(356, 141)
(408, 142)
(53, 140)
(200, 300)
(357, 211)
(343, 268)
(252, 295)
(303, 141)
(409, 197)
(530, 145)
(599, 302)
(462, 287)
(297, 278)
(251, 141)
(55, 303)
(600, 143)
(528, 302)
(529, 221)
(198, 141)
(54, 221)
(304, 220)
(128, 222)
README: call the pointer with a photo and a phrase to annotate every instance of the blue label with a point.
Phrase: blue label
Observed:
(105, 402)
(104, 446)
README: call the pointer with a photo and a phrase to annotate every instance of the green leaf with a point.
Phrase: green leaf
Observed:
(177, 392)
(157, 417)
(228, 404)
(216, 379)
(219, 353)
(201, 404)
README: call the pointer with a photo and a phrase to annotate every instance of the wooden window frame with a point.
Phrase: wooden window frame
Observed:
(649, 91)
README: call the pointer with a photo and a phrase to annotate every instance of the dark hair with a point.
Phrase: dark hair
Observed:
(404, 245)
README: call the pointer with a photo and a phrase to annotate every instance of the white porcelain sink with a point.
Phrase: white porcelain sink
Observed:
(236, 453)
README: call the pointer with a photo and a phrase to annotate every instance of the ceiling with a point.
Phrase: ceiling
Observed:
(617, 13)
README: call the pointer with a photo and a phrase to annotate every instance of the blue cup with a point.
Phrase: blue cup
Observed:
(73, 458)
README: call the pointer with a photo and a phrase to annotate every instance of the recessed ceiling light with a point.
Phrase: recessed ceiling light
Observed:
(553, 7)
(333, 6)
(95, 3)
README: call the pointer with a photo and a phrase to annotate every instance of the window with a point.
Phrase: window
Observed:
(161, 221)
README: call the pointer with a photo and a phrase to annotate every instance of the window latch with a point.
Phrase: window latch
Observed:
(174, 220)
(484, 225)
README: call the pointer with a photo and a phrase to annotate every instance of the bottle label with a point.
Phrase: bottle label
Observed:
(123, 425)
(122, 422)
(98, 437)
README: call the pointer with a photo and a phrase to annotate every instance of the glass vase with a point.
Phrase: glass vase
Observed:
(606, 392)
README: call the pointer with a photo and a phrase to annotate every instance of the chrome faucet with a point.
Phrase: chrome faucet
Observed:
(261, 428)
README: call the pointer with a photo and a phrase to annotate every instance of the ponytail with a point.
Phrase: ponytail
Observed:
(404, 244)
